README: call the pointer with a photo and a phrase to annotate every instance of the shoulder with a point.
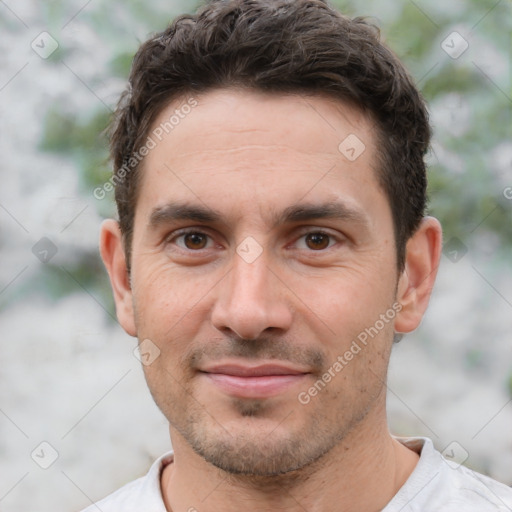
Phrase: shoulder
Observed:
(481, 490)
(141, 494)
(441, 485)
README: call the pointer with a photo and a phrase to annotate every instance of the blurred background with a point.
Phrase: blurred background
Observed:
(76, 419)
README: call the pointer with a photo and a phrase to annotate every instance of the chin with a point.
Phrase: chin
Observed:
(255, 444)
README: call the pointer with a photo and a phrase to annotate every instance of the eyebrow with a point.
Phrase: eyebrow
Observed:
(335, 210)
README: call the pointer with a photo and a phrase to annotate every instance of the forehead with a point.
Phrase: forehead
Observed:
(316, 122)
(270, 147)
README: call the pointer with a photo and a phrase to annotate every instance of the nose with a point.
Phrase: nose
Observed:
(251, 300)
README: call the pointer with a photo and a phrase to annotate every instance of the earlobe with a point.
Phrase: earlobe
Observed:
(423, 252)
(113, 255)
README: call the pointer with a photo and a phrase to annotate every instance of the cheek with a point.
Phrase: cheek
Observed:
(159, 302)
(359, 317)
(346, 301)
(171, 306)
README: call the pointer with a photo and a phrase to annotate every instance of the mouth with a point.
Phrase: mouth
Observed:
(261, 381)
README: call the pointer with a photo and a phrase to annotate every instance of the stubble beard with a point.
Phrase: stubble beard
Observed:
(262, 446)
(257, 454)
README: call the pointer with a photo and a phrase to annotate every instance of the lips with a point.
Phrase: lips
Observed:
(254, 371)
(261, 381)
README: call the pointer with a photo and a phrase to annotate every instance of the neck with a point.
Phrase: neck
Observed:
(363, 472)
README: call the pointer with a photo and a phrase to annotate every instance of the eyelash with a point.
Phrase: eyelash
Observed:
(184, 232)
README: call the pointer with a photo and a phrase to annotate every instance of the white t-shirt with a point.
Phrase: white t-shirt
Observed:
(435, 485)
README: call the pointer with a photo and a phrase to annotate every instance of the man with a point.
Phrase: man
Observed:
(271, 246)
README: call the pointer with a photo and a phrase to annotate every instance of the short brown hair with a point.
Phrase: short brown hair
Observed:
(279, 46)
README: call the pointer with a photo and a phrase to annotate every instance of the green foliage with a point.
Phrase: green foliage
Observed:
(120, 65)
(83, 140)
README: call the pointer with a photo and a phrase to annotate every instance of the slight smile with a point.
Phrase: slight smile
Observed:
(260, 381)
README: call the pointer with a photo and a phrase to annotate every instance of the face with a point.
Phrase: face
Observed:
(261, 253)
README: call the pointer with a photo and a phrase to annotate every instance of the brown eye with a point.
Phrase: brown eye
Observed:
(317, 241)
(195, 240)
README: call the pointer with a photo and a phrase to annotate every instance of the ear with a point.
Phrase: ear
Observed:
(112, 253)
(423, 252)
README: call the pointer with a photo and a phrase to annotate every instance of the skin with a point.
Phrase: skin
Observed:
(301, 302)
